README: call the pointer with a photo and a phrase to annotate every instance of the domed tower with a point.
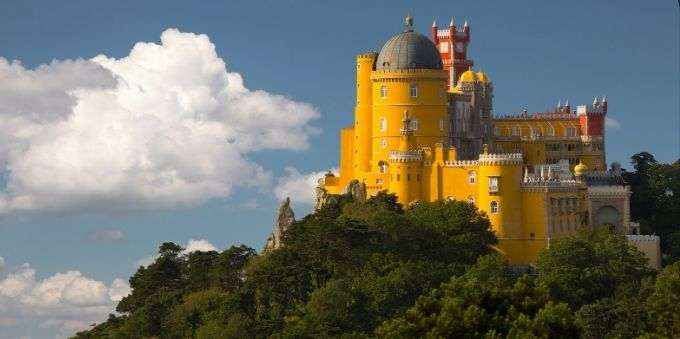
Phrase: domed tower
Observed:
(470, 114)
(408, 77)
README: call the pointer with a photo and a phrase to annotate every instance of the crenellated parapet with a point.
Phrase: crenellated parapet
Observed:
(407, 156)
(461, 163)
(500, 159)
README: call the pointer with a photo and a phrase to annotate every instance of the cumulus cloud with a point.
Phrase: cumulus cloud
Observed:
(298, 186)
(611, 123)
(68, 300)
(112, 235)
(193, 245)
(168, 125)
(201, 245)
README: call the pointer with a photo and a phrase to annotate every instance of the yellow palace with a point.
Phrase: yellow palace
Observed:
(424, 129)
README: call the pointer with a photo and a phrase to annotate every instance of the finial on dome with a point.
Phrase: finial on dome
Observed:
(409, 23)
(452, 24)
(434, 23)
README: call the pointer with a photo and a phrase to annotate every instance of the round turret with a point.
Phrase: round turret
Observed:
(481, 76)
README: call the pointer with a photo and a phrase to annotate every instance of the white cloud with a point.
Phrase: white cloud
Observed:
(199, 245)
(168, 125)
(611, 123)
(112, 235)
(68, 300)
(191, 246)
(298, 186)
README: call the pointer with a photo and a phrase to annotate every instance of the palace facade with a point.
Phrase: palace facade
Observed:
(424, 129)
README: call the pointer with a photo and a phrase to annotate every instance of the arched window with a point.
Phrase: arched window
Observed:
(551, 131)
(472, 177)
(383, 124)
(414, 91)
(383, 91)
(494, 207)
(382, 167)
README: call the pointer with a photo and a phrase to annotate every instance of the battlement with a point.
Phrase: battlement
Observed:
(461, 163)
(368, 55)
(408, 156)
(500, 159)
(642, 237)
(537, 116)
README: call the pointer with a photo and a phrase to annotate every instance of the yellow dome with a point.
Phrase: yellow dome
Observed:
(468, 76)
(483, 77)
(580, 169)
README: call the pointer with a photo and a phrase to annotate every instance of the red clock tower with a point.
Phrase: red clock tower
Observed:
(452, 44)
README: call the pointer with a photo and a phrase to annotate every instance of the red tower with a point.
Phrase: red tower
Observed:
(452, 45)
(591, 118)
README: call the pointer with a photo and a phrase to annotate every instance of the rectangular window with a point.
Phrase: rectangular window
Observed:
(515, 131)
(441, 124)
(383, 124)
(551, 131)
(414, 125)
(444, 47)
(571, 131)
(383, 91)
(493, 185)
(414, 91)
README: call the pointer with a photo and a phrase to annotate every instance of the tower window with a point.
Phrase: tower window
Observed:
(551, 131)
(472, 177)
(494, 207)
(414, 125)
(493, 185)
(414, 91)
(515, 131)
(382, 167)
(571, 131)
(383, 91)
(383, 124)
(441, 124)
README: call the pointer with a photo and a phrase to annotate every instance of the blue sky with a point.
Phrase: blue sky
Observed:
(536, 53)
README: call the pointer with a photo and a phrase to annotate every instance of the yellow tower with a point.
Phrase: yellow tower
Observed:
(362, 113)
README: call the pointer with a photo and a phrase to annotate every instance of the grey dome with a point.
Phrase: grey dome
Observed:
(409, 50)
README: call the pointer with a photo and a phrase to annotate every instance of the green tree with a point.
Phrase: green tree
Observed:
(582, 269)
(663, 304)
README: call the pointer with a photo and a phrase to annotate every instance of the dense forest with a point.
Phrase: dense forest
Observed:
(374, 269)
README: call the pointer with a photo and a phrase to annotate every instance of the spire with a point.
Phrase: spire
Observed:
(409, 23)
(559, 103)
(595, 101)
(566, 103)
(434, 23)
(452, 24)
(466, 24)
(604, 98)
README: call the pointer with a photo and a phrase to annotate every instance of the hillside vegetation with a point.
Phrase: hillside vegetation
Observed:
(372, 269)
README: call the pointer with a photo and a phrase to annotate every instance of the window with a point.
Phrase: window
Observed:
(414, 90)
(382, 167)
(414, 125)
(441, 124)
(571, 131)
(383, 143)
(444, 47)
(515, 131)
(472, 177)
(493, 185)
(383, 91)
(494, 207)
(383, 124)
(551, 131)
